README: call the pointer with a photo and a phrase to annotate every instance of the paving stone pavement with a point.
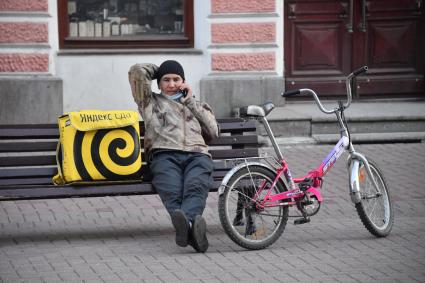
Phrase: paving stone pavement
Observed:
(130, 239)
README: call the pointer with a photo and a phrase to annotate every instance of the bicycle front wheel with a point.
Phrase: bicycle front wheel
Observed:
(246, 222)
(375, 208)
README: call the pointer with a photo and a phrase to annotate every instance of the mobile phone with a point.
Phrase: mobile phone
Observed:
(179, 94)
(183, 92)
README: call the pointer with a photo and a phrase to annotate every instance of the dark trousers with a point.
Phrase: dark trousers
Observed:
(182, 180)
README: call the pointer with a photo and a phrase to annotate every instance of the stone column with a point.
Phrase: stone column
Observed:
(246, 55)
(29, 93)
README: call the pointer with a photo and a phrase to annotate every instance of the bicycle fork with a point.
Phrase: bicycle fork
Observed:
(353, 164)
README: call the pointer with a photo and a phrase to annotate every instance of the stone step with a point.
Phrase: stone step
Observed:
(398, 137)
(392, 137)
(395, 121)
(305, 127)
(371, 125)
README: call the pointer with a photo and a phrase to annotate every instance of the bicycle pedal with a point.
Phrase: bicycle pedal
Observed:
(300, 221)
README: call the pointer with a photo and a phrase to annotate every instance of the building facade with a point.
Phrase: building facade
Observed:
(56, 56)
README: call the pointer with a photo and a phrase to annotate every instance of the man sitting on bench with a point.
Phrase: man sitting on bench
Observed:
(177, 128)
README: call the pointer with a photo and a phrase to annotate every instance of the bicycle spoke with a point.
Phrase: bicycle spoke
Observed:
(244, 218)
(375, 208)
(371, 212)
(372, 201)
(252, 182)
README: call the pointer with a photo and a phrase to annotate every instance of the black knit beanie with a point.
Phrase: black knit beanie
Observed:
(169, 67)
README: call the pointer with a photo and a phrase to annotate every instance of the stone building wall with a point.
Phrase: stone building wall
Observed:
(28, 90)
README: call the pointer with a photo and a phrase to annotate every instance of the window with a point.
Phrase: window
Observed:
(125, 23)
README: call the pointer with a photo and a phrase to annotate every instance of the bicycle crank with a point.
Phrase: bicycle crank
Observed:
(300, 221)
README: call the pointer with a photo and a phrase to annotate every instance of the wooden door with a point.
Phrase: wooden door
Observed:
(326, 39)
(389, 39)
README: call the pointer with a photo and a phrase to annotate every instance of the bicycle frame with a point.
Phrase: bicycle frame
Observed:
(283, 173)
(316, 175)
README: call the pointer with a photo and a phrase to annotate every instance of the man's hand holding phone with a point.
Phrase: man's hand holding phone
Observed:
(186, 89)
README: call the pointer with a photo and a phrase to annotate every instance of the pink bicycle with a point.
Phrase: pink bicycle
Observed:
(255, 196)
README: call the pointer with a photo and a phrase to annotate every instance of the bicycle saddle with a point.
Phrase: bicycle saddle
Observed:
(256, 111)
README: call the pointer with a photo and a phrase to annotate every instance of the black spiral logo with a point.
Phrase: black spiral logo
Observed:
(106, 169)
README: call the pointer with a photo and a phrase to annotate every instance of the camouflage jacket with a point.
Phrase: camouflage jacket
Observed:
(170, 124)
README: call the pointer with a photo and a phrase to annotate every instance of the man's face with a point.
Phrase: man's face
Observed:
(170, 84)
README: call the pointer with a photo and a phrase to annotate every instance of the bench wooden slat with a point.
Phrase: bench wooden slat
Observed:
(37, 146)
(28, 160)
(228, 125)
(27, 171)
(28, 133)
(6, 182)
(46, 192)
(75, 191)
(51, 130)
(24, 172)
(235, 140)
(50, 158)
(26, 181)
(25, 146)
(245, 126)
(31, 126)
(234, 153)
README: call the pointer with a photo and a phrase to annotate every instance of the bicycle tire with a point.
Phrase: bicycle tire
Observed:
(376, 212)
(254, 233)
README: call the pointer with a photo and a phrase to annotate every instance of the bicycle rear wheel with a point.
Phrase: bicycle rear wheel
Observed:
(243, 221)
(375, 208)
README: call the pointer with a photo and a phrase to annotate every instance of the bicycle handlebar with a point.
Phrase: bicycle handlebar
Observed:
(319, 103)
(360, 71)
(290, 92)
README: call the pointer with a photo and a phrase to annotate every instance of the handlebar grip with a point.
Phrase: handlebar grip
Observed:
(360, 71)
(291, 92)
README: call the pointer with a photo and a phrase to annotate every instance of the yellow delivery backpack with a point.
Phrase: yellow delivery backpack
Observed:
(98, 146)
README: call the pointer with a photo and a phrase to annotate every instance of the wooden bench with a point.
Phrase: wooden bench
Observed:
(28, 161)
